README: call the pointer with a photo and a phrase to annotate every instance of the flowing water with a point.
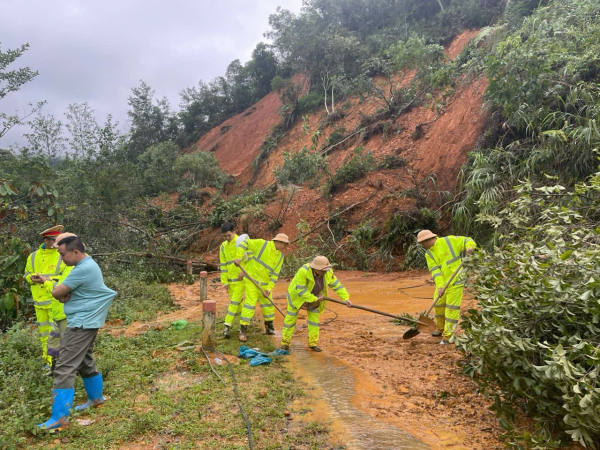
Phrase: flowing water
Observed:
(336, 381)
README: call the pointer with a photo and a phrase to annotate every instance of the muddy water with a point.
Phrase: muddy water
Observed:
(336, 386)
(337, 383)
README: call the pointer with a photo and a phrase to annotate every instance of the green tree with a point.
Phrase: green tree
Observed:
(84, 129)
(200, 169)
(152, 121)
(11, 81)
(46, 138)
(156, 165)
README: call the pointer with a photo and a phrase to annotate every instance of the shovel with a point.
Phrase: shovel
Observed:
(260, 289)
(423, 325)
(421, 328)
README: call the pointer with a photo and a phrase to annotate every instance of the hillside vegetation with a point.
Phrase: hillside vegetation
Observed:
(359, 124)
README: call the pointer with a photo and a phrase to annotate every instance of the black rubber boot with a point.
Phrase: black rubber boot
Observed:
(315, 348)
(242, 337)
(226, 332)
(269, 328)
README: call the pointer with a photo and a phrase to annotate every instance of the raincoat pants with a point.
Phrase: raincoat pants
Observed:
(263, 263)
(228, 253)
(443, 258)
(300, 292)
(48, 263)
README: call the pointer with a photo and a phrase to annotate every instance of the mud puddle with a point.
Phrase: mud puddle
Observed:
(336, 386)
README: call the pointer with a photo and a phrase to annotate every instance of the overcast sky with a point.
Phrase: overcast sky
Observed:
(95, 51)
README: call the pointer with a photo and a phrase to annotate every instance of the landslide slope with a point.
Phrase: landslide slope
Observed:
(432, 146)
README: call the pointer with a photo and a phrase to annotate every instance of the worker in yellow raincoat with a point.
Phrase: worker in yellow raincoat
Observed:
(309, 286)
(262, 260)
(230, 274)
(45, 261)
(443, 256)
(57, 313)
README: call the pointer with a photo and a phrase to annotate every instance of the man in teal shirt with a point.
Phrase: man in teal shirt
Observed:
(87, 300)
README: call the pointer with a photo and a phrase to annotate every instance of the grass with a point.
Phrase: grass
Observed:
(170, 398)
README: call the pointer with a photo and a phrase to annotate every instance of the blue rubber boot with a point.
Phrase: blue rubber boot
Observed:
(93, 387)
(62, 400)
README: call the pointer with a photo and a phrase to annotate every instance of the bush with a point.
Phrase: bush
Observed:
(400, 231)
(24, 390)
(200, 169)
(229, 209)
(356, 168)
(533, 342)
(309, 102)
(156, 164)
(300, 167)
(392, 162)
(362, 240)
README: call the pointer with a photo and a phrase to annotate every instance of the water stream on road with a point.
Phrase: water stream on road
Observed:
(336, 382)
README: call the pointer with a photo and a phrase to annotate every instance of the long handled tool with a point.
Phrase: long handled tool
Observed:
(364, 308)
(424, 318)
(260, 289)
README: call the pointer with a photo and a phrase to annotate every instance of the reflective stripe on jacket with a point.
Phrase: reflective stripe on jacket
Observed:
(228, 253)
(444, 257)
(300, 289)
(48, 263)
(262, 261)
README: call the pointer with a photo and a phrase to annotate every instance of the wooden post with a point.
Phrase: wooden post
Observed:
(203, 281)
(209, 312)
(189, 268)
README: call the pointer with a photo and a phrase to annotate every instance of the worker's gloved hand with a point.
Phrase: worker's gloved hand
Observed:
(226, 287)
(267, 293)
(237, 262)
(348, 303)
(441, 292)
(470, 251)
(241, 276)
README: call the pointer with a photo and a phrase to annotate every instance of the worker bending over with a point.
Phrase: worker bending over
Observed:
(262, 260)
(309, 286)
(230, 274)
(43, 263)
(87, 301)
(443, 256)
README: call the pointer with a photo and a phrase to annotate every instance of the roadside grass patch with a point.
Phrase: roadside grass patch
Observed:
(198, 413)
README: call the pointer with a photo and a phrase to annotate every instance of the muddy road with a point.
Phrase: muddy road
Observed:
(375, 390)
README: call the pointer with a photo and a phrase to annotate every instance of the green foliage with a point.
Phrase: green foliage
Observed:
(200, 169)
(533, 341)
(362, 241)
(152, 121)
(24, 390)
(268, 146)
(137, 299)
(392, 162)
(156, 164)
(11, 81)
(400, 230)
(229, 209)
(40, 202)
(305, 252)
(544, 88)
(300, 167)
(353, 170)
(310, 102)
